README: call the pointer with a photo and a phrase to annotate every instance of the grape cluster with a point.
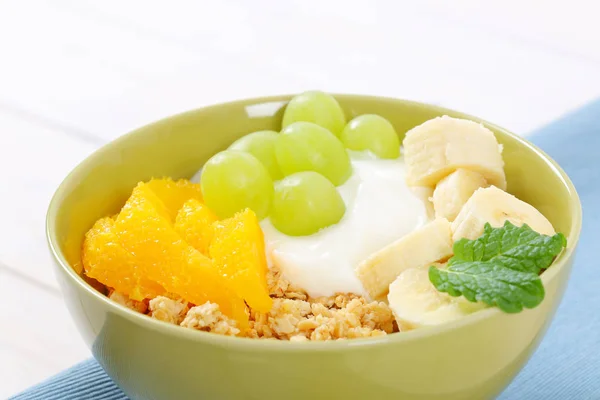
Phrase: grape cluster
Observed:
(291, 176)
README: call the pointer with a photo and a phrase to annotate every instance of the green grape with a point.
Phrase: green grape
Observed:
(316, 107)
(262, 146)
(233, 180)
(304, 146)
(304, 203)
(374, 133)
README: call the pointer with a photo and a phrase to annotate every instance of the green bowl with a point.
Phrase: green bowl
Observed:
(473, 358)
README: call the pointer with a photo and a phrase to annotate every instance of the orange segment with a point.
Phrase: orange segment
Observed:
(238, 249)
(163, 256)
(194, 223)
(174, 193)
(105, 260)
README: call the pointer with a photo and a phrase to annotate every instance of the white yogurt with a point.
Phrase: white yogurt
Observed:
(380, 208)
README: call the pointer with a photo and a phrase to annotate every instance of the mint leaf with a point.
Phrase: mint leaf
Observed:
(519, 248)
(500, 268)
(495, 285)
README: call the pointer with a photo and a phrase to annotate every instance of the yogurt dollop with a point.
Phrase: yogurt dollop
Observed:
(380, 208)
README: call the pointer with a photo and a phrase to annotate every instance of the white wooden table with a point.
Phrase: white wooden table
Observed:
(75, 74)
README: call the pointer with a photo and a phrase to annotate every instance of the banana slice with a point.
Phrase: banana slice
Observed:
(496, 206)
(441, 145)
(422, 247)
(452, 192)
(415, 302)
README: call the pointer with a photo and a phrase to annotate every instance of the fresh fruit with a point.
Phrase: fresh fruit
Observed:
(496, 206)
(452, 192)
(304, 146)
(144, 230)
(441, 145)
(194, 223)
(304, 203)
(374, 133)
(316, 107)
(500, 268)
(262, 146)
(415, 302)
(420, 248)
(238, 250)
(174, 193)
(233, 180)
(105, 260)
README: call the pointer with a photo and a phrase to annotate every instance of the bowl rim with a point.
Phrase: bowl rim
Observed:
(254, 345)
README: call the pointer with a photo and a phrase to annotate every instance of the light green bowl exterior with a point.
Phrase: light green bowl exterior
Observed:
(473, 358)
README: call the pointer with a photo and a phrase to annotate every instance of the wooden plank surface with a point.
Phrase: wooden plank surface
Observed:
(34, 159)
(37, 337)
(110, 66)
(77, 73)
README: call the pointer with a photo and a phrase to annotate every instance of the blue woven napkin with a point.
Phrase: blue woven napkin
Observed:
(567, 364)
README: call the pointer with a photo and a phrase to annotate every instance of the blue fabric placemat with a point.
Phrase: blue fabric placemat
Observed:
(567, 364)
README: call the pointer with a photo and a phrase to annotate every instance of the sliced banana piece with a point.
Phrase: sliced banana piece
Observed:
(441, 145)
(452, 192)
(425, 193)
(415, 302)
(496, 206)
(422, 247)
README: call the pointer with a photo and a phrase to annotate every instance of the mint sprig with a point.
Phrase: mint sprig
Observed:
(500, 268)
